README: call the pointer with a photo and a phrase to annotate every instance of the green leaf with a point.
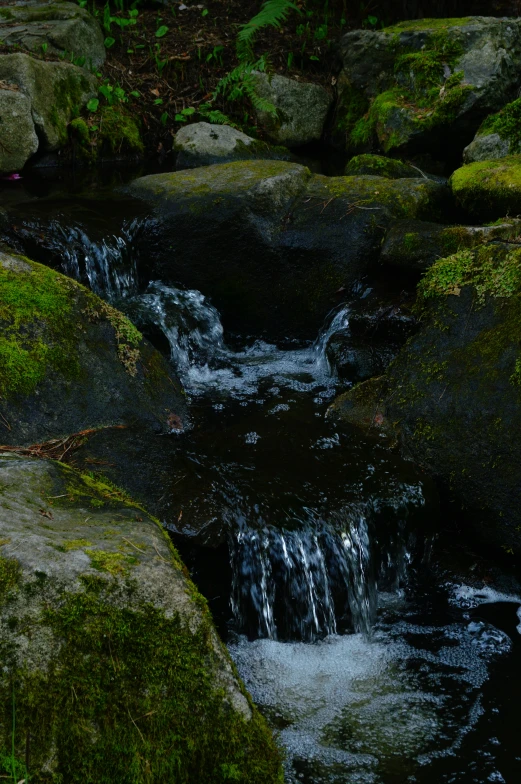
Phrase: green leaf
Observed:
(180, 118)
(109, 42)
(164, 118)
(204, 12)
(188, 111)
(93, 104)
(314, 57)
(158, 102)
(161, 31)
(135, 94)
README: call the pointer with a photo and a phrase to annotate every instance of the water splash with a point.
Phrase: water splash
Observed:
(297, 584)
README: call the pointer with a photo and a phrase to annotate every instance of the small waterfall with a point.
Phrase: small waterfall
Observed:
(190, 324)
(336, 321)
(299, 584)
(108, 266)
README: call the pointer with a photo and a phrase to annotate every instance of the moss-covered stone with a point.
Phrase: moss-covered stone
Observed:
(380, 166)
(419, 79)
(270, 243)
(64, 354)
(487, 190)
(453, 393)
(111, 674)
(419, 244)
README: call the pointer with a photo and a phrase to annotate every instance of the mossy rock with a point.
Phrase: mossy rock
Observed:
(380, 166)
(69, 361)
(270, 243)
(118, 133)
(453, 394)
(417, 245)
(425, 86)
(58, 28)
(112, 670)
(487, 190)
(57, 92)
(498, 136)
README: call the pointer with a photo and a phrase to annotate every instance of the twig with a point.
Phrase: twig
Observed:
(133, 545)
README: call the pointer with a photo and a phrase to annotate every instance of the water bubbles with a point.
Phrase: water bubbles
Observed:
(251, 438)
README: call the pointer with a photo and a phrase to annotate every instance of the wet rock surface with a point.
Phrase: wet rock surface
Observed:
(202, 144)
(267, 240)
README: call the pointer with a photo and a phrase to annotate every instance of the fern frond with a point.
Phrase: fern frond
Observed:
(272, 14)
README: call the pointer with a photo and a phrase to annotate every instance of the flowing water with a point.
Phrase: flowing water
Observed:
(313, 546)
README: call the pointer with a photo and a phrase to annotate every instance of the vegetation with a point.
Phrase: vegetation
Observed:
(506, 123)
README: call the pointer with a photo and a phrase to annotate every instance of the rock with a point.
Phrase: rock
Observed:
(302, 109)
(379, 323)
(17, 133)
(425, 86)
(105, 639)
(486, 148)
(488, 190)
(357, 360)
(498, 136)
(454, 391)
(202, 144)
(418, 245)
(57, 28)
(271, 244)
(69, 361)
(380, 166)
(57, 91)
(363, 407)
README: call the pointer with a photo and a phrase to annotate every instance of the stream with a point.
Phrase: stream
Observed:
(322, 553)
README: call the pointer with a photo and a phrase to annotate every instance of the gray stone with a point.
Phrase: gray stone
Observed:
(203, 144)
(57, 91)
(59, 27)
(418, 245)
(409, 117)
(98, 623)
(73, 362)
(18, 139)
(270, 243)
(488, 147)
(302, 109)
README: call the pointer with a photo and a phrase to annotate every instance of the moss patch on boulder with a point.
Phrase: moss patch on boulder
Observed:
(380, 166)
(487, 190)
(67, 359)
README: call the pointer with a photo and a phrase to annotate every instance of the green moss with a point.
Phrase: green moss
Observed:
(422, 98)
(412, 241)
(428, 24)
(128, 337)
(74, 544)
(113, 563)
(10, 576)
(352, 106)
(488, 189)
(37, 328)
(131, 698)
(120, 130)
(380, 166)
(506, 123)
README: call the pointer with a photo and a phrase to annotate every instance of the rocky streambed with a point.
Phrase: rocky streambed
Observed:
(259, 431)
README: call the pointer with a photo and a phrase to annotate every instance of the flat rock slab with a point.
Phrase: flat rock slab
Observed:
(53, 28)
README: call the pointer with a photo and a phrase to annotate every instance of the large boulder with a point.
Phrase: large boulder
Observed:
(498, 136)
(69, 361)
(58, 28)
(301, 109)
(202, 144)
(270, 243)
(453, 394)
(17, 132)
(417, 245)
(380, 166)
(57, 91)
(488, 190)
(425, 86)
(112, 670)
